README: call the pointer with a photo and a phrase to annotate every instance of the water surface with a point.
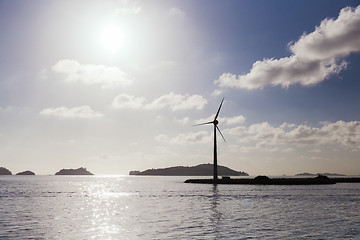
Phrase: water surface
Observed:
(138, 207)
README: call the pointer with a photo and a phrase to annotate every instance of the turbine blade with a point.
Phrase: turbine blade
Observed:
(203, 123)
(220, 133)
(217, 114)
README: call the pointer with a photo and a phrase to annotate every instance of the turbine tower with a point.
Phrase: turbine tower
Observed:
(215, 122)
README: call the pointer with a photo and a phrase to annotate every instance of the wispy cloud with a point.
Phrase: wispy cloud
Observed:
(5, 108)
(232, 120)
(107, 77)
(129, 7)
(177, 12)
(186, 138)
(240, 119)
(184, 120)
(217, 92)
(315, 56)
(76, 112)
(173, 101)
(128, 101)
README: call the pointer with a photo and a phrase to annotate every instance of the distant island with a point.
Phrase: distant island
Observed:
(199, 170)
(26, 173)
(4, 171)
(79, 171)
(322, 174)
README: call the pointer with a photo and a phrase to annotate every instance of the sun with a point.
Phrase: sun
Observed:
(111, 38)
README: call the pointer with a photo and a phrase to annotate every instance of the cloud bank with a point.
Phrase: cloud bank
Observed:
(263, 135)
(107, 77)
(285, 138)
(315, 56)
(76, 112)
(172, 101)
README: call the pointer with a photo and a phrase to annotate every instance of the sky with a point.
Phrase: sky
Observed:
(116, 86)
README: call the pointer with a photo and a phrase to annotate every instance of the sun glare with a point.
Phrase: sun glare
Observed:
(111, 38)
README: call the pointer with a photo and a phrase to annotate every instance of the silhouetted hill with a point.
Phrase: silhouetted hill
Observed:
(26, 173)
(4, 171)
(199, 170)
(79, 171)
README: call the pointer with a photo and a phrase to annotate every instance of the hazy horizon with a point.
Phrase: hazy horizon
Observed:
(115, 86)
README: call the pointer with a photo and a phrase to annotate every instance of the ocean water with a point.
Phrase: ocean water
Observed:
(136, 207)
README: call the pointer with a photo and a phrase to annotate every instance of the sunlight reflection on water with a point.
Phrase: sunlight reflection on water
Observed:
(123, 207)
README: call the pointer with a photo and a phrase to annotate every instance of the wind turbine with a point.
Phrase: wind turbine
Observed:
(215, 122)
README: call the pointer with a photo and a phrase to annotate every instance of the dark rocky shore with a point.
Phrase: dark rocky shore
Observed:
(264, 180)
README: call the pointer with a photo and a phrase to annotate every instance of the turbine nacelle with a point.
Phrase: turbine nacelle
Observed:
(215, 121)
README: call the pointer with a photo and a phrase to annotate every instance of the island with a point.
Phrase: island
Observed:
(305, 174)
(323, 174)
(79, 171)
(4, 171)
(199, 170)
(26, 173)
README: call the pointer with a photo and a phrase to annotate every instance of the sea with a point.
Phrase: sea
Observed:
(148, 207)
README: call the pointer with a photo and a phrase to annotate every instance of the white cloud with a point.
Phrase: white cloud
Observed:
(129, 7)
(186, 138)
(127, 101)
(76, 112)
(341, 133)
(240, 130)
(333, 38)
(177, 12)
(217, 92)
(315, 57)
(178, 102)
(284, 72)
(106, 76)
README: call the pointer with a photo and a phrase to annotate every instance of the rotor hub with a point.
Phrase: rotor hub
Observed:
(216, 122)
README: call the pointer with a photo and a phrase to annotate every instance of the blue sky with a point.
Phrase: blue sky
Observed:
(116, 86)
